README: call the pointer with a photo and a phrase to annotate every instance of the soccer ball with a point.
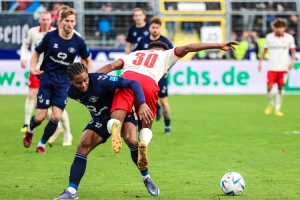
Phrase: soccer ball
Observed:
(232, 183)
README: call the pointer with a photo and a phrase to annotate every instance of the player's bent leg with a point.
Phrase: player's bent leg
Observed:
(158, 111)
(270, 96)
(35, 121)
(166, 114)
(89, 140)
(49, 129)
(29, 107)
(114, 126)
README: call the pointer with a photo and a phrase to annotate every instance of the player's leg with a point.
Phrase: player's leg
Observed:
(166, 114)
(57, 132)
(67, 130)
(281, 80)
(158, 111)
(138, 152)
(271, 78)
(58, 101)
(90, 139)
(161, 85)
(33, 85)
(49, 129)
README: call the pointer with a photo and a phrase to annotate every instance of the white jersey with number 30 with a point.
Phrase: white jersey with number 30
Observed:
(152, 63)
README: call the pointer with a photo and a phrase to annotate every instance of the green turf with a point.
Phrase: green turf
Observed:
(211, 135)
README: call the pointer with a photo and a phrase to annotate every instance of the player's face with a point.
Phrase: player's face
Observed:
(139, 17)
(279, 31)
(68, 23)
(81, 81)
(45, 21)
(154, 30)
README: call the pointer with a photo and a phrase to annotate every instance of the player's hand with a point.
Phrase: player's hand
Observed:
(259, 67)
(145, 113)
(291, 66)
(166, 74)
(227, 46)
(36, 72)
(23, 63)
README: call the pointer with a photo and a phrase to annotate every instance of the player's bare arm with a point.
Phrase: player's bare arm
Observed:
(24, 50)
(33, 62)
(128, 48)
(293, 57)
(262, 57)
(116, 65)
(88, 63)
(195, 47)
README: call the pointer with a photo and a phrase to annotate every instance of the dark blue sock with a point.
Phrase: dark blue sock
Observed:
(145, 173)
(77, 170)
(33, 123)
(158, 107)
(167, 122)
(49, 129)
(134, 154)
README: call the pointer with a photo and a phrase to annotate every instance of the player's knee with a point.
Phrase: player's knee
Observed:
(84, 147)
(32, 95)
(55, 116)
(130, 141)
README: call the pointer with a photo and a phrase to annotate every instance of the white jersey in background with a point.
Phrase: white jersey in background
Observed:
(279, 50)
(152, 63)
(34, 37)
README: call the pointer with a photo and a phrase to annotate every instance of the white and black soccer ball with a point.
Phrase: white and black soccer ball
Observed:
(232, 183)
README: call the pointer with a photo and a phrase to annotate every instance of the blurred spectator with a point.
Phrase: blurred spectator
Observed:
(293, 27)
(18, 6)
(149, 6)
(54, 13)
(171, 26)
(188, 29)
(121, 41)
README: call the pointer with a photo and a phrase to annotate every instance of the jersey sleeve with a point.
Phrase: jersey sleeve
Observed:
(292, 42)
(84, 50)
(42, 46)
(267, 42)
(124, 59)
(26, 43)
(129, 35)
(170, 57)
(170, 45)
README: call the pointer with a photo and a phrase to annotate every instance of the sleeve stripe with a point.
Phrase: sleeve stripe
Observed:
(122, 62)
(179, 56)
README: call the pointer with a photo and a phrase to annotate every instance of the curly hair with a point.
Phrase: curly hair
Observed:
(75, 69)
(158, 44)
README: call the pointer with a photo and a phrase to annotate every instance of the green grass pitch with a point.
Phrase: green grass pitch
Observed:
(211, 135)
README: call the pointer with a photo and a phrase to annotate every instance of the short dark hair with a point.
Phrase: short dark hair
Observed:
(75, 69)
(278, 23)
(155, 20)
(158, 44)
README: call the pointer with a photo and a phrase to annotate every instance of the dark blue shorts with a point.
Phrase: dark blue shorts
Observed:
(52, 95)
(101, 127)
(163, 87)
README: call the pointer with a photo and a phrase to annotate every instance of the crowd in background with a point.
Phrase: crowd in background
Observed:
(249, 28)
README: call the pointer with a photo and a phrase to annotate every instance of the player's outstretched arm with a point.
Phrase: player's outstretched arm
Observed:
(88, 63)
(118, 64)
(195, 47)
(33, 62)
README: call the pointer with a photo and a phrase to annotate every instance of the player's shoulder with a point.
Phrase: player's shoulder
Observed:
(34, 29)
(71, 90)
(76, 32)
(131, 28)
(288, 35)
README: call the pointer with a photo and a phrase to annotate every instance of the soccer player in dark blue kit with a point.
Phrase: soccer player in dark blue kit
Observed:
(96, 92)
(136, 31)
(143, 44)
(60, 47)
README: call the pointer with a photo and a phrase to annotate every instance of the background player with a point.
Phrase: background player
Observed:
(279, 43)
(136, 31)
(34, 37)
(67, 141)
(155, 24)
(60, 47)
(96, 92)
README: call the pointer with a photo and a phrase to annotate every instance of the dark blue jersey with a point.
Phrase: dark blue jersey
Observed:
(145, 41)
(134, 34)
(59, 54)
(99, 96)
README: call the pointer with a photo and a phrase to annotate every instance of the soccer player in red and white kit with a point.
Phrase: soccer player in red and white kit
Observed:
(278, 43)
(147, 67)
